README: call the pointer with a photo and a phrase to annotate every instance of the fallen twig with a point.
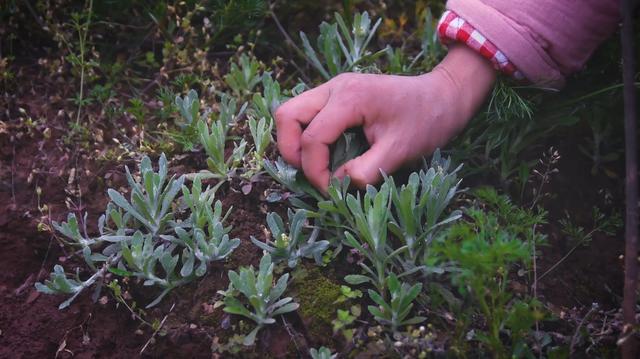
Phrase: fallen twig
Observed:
(158, 329)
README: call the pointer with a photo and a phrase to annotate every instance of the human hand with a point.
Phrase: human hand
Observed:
(403, 117)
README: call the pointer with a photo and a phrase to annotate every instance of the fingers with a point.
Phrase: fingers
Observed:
(292, 115)
(335, 118)
(366, 169)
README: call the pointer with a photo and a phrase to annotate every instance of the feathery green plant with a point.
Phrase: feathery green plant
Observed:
(481, 253)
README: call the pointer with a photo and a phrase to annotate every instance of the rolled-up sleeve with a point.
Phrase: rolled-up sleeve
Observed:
(546, 40)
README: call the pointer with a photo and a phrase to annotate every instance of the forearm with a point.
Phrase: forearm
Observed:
(546, 40)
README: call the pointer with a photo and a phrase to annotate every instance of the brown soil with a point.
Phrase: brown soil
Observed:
(594, 272)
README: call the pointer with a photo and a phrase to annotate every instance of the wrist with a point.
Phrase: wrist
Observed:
(467, 79)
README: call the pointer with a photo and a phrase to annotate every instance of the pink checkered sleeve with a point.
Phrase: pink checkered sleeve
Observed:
(452, 28)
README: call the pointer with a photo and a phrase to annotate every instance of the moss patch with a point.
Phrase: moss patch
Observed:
(316, 294)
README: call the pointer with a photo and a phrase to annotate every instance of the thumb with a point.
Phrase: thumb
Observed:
(368, 167)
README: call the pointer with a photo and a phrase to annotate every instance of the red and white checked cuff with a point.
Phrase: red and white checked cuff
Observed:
(452, 28)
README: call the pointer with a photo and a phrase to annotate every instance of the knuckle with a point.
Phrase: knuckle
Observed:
(361, 176)
(307, 139)
(356, 176)
(347, 81)
(350, 83)
(345, 76)
(281, 115)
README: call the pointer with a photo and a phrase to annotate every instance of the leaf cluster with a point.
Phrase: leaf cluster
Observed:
(265, 103)
(342, 49)
(391, 227)
(322, 353)
(395, 312)
(293, 245)
(243, 76)
(148, 236)
(263, 297)
(214, 138)
(214, 135)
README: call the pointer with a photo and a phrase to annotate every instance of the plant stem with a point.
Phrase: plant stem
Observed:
(595, 93)
(574, 338)
(89, 282)
(83, 29)
(629, 346)
(535, 282)
(157, 329)
(291, 43)
(381, 279)
(560, 261)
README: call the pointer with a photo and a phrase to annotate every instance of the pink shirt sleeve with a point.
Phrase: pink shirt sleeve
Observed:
(545, 39)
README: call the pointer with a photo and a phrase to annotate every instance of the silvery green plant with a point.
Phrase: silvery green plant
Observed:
(207, 240)
(203, 207)
(213, 140)
(151, 197)
(414, 213)
(228, 110)
(141, 256)
(189, 110)
(292, 245)
(292, 179)
(348, 146)
(419, 206)
(261, 134)
(243, 78)
(322, 353)
(394, 313)
(189, 107)
(342, 50)
(368, 234)
(59, 283)
(148, 237)
(263, 104)
(263, 297)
